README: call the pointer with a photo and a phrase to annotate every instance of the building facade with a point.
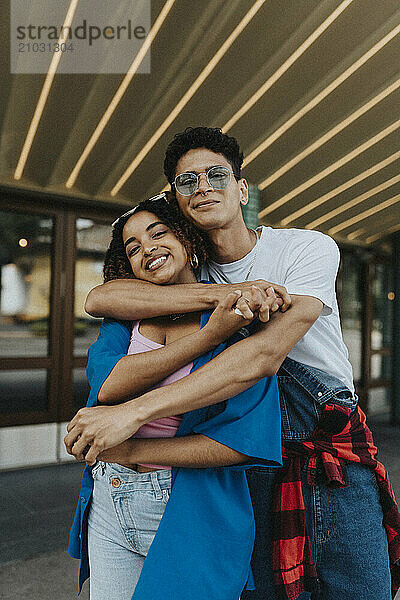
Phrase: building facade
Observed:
(52, 252)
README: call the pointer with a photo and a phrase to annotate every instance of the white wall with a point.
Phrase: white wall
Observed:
(32, 445)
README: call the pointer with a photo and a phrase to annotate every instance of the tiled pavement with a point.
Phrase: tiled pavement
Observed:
(37, 506)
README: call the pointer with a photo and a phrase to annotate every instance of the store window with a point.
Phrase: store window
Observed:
(50, 257)
(379, 400)
(92, 241)
(26, 243)
(351, 309)
(25, 278)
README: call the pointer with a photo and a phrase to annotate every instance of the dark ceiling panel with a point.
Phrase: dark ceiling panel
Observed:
(188, 40)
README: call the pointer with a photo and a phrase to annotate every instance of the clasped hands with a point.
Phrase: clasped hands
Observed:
(260, 302)
(96, 429)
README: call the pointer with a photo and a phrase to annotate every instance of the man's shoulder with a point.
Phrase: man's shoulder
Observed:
(296, 238)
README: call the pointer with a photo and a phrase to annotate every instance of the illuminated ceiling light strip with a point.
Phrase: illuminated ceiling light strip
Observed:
(354, 234)
(353, 202)
(331, 169)
(315, 101)
(187, 96)
(377, 236)
(342, 188)
(286, 65)
(365, 214)
(45, 92)
(119, 93)
(334, 131)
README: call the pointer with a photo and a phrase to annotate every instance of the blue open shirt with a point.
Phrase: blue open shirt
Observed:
(204, 543)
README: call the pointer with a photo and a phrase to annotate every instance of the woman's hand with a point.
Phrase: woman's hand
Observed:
(238, 309)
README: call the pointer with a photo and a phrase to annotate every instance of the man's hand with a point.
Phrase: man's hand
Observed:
(283, 298)
(237, 310)
(261, 303)
(99, 428)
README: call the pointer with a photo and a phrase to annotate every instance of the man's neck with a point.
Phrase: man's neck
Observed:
(231, 243)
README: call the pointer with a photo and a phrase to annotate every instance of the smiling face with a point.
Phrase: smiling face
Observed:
(209, 208)
(154, 252)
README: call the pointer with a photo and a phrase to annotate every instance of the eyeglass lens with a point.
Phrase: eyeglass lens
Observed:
(217, 177)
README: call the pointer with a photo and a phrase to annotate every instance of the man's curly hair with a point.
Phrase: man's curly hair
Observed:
(116, 263)
(211, 138)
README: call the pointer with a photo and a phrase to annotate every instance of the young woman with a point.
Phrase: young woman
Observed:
(132, 482)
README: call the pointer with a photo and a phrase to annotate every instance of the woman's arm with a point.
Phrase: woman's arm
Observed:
(136, 373)
(193, 451)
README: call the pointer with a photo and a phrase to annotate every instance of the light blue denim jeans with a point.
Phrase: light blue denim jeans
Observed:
(124, 515)
(349, 544)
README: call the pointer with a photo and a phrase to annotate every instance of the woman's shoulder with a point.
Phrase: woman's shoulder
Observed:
(153, 329)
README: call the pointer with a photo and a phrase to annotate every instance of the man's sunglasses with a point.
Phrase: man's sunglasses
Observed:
(218, 178)
(132, 211)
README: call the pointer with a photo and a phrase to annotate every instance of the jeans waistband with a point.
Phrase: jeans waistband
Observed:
(322, 386)
(153, 480)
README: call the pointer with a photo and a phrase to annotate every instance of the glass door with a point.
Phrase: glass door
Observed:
(29, 312)
(381, 300)
(49, 260)
(92, 240)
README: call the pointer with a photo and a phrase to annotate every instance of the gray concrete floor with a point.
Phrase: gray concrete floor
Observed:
(37, 509)
(50, 576)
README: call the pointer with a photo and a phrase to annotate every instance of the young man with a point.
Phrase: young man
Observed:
(203, 167)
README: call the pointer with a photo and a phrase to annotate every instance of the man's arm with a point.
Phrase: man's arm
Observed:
(195, 451)
(237, 368)
(135, 373)
(234, 370)
(132, 299)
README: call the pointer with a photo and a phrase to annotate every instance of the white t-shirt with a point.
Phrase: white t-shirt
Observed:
(306, 263)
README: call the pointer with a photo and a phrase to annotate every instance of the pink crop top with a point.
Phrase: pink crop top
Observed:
(168, 426)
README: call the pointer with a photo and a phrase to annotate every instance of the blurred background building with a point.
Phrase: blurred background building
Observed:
(311, 89)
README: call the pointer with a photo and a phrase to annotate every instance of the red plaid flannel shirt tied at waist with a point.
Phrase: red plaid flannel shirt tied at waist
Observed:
(340, 436)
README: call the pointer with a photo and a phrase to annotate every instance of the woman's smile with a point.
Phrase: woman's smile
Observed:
(155, 262)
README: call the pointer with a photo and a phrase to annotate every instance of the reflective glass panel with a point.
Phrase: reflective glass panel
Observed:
(23, 391)
(81, 388)
(381, 366)
(351, 310)
(25, 278)
(381, 335)
(379, 402)
(92, 240)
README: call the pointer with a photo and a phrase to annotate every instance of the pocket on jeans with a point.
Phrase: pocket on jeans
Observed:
(141, 513)
(141, 509)
(299, 411)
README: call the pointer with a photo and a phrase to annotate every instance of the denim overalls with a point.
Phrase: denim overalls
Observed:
(349, 543)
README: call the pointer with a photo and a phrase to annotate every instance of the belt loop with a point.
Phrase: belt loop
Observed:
(98, 469)
(156, 485)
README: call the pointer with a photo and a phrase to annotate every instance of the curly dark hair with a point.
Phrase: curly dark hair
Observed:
(211, 138)
(116, 263)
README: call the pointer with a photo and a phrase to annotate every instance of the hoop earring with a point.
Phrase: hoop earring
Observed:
(194, 261)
